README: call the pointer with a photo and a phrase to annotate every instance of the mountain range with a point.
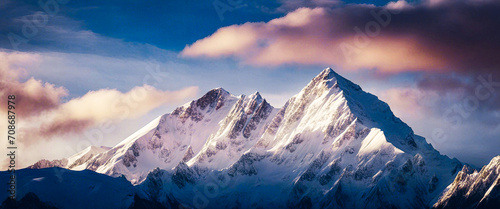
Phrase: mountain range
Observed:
(332, 145)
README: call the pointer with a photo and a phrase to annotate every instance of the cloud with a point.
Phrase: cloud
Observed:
(46, 114)
(28, 27)
(398, 5)
(451, 111)
(441, 117)
(107, 105)
(406, 98)
(32, 96)
(458, 35)
(475, 96)
(441, 82)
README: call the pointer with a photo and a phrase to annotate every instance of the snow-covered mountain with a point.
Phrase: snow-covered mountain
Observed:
(330, 146)
(474, 190)
(213, 131)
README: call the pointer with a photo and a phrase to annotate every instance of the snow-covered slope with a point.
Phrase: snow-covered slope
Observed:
(78, 161)
(330, 146)
(75, 162)
(473, 189)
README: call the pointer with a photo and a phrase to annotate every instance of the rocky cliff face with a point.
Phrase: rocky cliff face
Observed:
(474, 189)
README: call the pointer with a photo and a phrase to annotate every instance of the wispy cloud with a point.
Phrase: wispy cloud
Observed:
(30, 28)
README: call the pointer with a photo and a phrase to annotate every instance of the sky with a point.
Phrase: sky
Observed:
(92, 72)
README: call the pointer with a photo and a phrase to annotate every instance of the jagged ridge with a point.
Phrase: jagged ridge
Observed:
(474, 189)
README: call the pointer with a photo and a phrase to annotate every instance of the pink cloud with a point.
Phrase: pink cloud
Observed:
(398, 5)
(96, 107)
(105, 105)
(311, 36)
(391, 38)
(45, 115)
(226, 41)
(32, 96)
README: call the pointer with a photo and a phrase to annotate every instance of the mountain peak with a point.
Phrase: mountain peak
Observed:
(327, 73)
(256, 96)
(331, 79)
(367, 108)
(219, 90)
(212, 98)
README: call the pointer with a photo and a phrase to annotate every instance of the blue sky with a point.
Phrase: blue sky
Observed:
(86, 48)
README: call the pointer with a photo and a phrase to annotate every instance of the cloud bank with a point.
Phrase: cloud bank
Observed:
(444, 35)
